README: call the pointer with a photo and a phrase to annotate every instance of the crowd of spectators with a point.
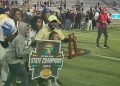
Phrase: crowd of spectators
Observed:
(73, 18)
(66, 19)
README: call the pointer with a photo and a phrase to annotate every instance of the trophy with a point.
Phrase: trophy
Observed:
(72, 47)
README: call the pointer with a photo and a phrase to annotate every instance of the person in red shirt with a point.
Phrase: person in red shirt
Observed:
(102, 26)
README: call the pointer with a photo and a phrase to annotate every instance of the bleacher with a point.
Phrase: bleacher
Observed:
(87, 3)
(92, 3)
(111, 7)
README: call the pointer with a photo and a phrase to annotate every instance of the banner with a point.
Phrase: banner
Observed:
(115, 16)
(46, 60)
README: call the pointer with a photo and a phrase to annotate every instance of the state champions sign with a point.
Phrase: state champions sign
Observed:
(46, 60)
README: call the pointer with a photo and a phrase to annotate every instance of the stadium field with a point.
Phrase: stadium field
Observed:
(101, 67)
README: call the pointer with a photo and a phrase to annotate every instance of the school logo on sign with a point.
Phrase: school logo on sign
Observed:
(47, 51)
(46, 60)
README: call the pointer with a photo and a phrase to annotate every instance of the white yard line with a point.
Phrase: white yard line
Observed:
(107, 57)
(94, 37)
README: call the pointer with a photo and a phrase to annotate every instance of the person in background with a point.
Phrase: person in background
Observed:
(93, 19)
(45, 15)
(27, 16)
(72, 18)
(67, 20)
(78, 19)
(15, 56)
(7, 12)
(1, 10)
(8, 27)
(16, 15)
(16, 2)
(90, 18)
(102, 27)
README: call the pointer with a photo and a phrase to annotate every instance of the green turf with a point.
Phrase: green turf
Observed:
(90, 70)
(115, 21)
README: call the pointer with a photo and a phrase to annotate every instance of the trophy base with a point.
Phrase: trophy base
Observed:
(80, 52)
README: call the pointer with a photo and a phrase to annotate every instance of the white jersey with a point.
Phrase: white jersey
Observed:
(96, 15)
(7, 23)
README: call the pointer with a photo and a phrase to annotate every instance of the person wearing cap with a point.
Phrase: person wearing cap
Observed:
(102, 26)
(46, 30)
(44, 33)
(55, 34)
(45, 15)
(8, 27)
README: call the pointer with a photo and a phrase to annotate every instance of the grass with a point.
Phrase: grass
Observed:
(90, 70)
(115, 21)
